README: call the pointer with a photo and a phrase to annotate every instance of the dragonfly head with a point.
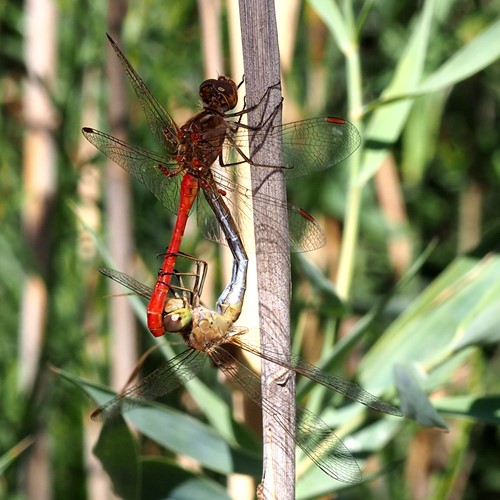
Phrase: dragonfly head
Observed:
(221, 93)
(178, 320)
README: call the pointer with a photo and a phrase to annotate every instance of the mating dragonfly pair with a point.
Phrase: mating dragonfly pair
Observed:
(182, 176)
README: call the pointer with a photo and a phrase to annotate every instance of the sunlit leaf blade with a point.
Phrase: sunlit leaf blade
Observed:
(482, 326)
(424, 333)
(332, 17)
(387, 122)
(184, 434)
(8, 457)
(97, 392)
(421, 135)
(480, 52)
(414, 402)
(346, 343)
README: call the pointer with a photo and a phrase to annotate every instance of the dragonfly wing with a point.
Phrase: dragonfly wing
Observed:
(324, 448)
(309, 145)
(128, 282)
(163, 127)
(155, 171)
(305, 234)
(316, 144)
(180, 281)
(207, 221)
(168, 377)
(343, 386)
(333, 382)
(315, 438)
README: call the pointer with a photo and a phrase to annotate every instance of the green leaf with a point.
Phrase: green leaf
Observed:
(484, 408)
(413, 401)
(482, 325)
(421, 135)
(165, 479)
(117, 451)
(329, 12)
(482, 51)
(332, 358)
(188, 436)
(326, 296)
(10, 456)
(97, 392)
(425, 332)
(181, 433)
(387, 122)
(219, 415)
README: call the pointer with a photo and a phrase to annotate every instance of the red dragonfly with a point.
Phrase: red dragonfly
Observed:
(184, 169)
(207, 334)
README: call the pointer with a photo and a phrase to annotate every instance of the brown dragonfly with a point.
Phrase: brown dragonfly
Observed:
(207, 334)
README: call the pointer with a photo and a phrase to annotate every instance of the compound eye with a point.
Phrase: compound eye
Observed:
(178, 320)
(223, 91)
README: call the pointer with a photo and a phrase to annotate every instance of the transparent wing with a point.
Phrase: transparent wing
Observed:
(163, 127)
(312, 435)
(128, 282)
(329, 380)
(309, 145)
(156, 172)
(168, 377)
(305, 234)
(184, 279)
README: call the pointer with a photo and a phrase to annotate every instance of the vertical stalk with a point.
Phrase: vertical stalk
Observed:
(238, 485)
(123, 352)
(210, 13)
(261, 60)
(262, 71)
(40, 185)
(351, 228)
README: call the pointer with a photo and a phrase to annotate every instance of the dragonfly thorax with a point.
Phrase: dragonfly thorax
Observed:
(209, 329)
(200, 141)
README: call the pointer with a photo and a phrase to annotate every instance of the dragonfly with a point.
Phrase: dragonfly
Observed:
(207, 334)
(183, 170)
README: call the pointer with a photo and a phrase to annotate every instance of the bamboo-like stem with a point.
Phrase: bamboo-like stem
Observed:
(470, 217)
(118, 210)
(353, 209)
(238, 485)
(210, 13)
(261, 60)
(40, 185)
(390, 198)
(242, 486)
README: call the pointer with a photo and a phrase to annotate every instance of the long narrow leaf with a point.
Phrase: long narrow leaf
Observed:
(479, 53)
(387, 122)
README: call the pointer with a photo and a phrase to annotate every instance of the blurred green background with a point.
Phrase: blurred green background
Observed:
(409, 277)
